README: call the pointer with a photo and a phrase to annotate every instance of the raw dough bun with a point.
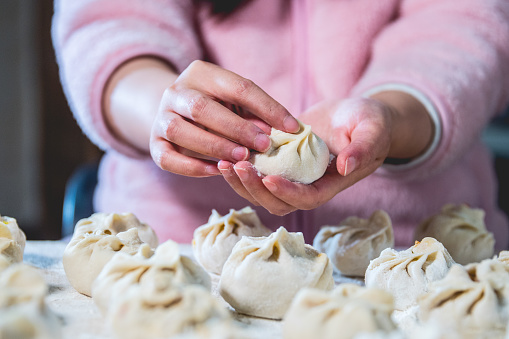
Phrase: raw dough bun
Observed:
(263, 274)
(474, 299)
(214, 241)
(342, 313)
(158, 309)
(355, 242)
(462, 231)
(302, 157)
(216, 330)
(23, 312)
(12, 242)
(96, 240)
(124, 272)
(407, 274)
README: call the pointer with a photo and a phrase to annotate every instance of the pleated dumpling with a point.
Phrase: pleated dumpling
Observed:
(214, 241)
(158, 309)
(12, 242)
(407, 274)
(263, 274)
(462, 231)
(338, 314)
(355, 242)
(474, 300)
(96, 239)
(23, 311)
(166, 267)
(301, 157)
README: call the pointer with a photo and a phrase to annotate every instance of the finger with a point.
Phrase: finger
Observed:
(174, 128)
(231, 87)
(226, 169)
(167, 158)
(306, 197)
(202, 109)
(254, 185)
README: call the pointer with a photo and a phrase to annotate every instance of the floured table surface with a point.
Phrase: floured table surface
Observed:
(82, 319)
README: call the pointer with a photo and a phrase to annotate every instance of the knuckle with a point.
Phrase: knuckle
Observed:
(243, 87)
(172, 127)
(196, 106)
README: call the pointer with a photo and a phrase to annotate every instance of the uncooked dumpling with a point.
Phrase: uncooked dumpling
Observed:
(462, 231)
(12, 242)
(23, 312)
(407, 274)
(301, 157)
(338, 314)
(214, 241)
(355, 242)
(263, 274)
(158, 309)
(96, 240)
(124, 272)
(473, 299)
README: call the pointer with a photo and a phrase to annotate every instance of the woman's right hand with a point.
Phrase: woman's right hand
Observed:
(194, 123)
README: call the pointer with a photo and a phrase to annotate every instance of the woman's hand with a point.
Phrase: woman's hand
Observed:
(194, 122)
(362, 133)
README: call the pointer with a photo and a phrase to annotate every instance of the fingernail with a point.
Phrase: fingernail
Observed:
(270, 185)
(212, 170)
(223, 165)
(240, 153)
(242, 173)
(350, 165)
(262, 142)
(291, 124)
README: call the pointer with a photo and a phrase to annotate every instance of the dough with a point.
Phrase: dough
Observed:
(158, 309)
(263, 274)
(96, 240)
(462, 231)
(474, 299)
(23, 312)
(355, 242)
(342, 313)
(124, 272)
(214, 241)
(407, 274)
(301, 157)
(12, 242)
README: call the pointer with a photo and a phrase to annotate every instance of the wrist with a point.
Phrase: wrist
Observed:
(412, 128)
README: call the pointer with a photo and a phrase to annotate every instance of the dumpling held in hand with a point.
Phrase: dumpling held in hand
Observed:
(301, 157)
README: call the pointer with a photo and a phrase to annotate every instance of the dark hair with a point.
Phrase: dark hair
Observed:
(223, 7)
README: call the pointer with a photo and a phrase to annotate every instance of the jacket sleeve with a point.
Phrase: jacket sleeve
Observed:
(456, 53)
(93, 37)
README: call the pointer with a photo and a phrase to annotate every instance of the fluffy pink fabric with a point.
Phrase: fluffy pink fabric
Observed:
(455, 52)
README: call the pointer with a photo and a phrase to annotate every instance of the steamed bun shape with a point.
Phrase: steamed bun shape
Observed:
(301, 157)
(474, 299)
(462, 231)
(94, 242)
(338, 314)
(12, 242)
(355, 242)
(214, 241)
(166, 267)
(263, 274)
(407, 274)
(158, 309)
(23, 312)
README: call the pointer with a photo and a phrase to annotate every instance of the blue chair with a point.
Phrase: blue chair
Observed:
(78, 199)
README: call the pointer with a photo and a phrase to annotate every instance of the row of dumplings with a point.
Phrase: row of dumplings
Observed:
(115, 259)
(23, 310)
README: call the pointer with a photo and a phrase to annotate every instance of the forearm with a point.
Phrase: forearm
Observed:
(412, 127)
(131, 99)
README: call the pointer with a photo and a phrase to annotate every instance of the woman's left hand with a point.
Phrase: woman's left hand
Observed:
(357, 131)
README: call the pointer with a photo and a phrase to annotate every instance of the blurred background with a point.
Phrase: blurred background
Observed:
(40, 142)
(41, 145)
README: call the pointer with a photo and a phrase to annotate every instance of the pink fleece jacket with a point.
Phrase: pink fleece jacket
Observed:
(455, 53)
